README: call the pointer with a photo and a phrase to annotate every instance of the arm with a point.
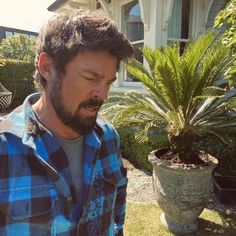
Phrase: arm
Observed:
(115, 167)
(120, 204)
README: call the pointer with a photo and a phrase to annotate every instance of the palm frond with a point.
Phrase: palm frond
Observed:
(202, 108)
(165, 73)
(142, 132)
(211, 68)
(223, 135)
(168, 82)
(190, 61)
(137, 70)
(134, 109)
(213, 91)
(176, 121)
(217, 107)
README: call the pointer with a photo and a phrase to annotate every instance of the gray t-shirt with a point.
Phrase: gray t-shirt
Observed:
(74, 153)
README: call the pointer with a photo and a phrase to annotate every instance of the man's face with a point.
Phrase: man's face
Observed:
(78, 95)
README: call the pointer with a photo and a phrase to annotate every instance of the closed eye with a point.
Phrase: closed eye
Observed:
(112, 81)
(89, 78)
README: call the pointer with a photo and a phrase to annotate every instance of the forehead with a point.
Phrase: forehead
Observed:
(99, 61)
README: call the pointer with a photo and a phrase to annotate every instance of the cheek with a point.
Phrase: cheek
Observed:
(75, 91)
(74, 95)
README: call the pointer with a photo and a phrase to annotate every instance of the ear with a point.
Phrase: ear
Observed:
(45, 65)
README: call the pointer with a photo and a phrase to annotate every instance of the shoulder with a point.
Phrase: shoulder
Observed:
(109, 132)
(3, 143)
(13, 122)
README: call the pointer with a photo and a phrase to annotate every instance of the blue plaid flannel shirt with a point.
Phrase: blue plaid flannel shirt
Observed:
(36, 189)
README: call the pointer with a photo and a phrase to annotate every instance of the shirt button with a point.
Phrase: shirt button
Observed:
(68, 205)
(69, 199)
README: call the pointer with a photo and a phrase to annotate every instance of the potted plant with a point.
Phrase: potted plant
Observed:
(186, 98)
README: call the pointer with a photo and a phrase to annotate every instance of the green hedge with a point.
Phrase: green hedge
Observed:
(17, 77)
(137, 153)
(225, 153)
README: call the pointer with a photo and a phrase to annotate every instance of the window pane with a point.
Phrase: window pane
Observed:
(98, 5)
(131, 19)
(8, 33)
(174, 26)
(179, 27)
(32, 36)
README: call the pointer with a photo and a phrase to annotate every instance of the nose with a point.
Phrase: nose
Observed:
(101, 92)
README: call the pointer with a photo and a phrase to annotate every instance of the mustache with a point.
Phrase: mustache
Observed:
(91, 102)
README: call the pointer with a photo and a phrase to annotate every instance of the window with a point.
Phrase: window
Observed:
(8, 34)
(32, 36)
(180, 23)
(132, 26)
(99, 5)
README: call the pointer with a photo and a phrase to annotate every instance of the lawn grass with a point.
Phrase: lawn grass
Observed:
(144, 220)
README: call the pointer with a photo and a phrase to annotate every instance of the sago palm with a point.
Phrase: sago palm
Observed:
(186, 96)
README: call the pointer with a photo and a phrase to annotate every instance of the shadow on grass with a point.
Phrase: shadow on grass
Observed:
(229, 221)
(208, 228)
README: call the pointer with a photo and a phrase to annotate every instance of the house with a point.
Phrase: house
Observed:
(153, 23)
(7, 31)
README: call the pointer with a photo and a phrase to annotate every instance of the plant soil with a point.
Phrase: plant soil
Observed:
(195, 157)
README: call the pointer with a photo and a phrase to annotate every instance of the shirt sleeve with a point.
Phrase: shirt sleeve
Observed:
(120, 204)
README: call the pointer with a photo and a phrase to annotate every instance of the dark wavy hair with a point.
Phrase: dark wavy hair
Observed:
(72, 31)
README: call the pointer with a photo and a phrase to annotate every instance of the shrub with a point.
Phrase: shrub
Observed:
(17, 77)
(224, 152)
(136, 152)
(18, 47)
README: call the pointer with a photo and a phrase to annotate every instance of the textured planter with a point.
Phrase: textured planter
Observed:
(225, 188)
(182, 192)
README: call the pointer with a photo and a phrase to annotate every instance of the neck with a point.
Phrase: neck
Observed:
(48, 117)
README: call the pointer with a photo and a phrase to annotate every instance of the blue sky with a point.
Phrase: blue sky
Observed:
(24, 14)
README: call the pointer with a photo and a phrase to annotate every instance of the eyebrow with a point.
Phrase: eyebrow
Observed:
(95, 74)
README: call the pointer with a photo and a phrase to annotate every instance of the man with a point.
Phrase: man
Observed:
(60, 167)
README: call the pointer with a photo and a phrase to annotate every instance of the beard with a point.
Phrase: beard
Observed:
(76, 121)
